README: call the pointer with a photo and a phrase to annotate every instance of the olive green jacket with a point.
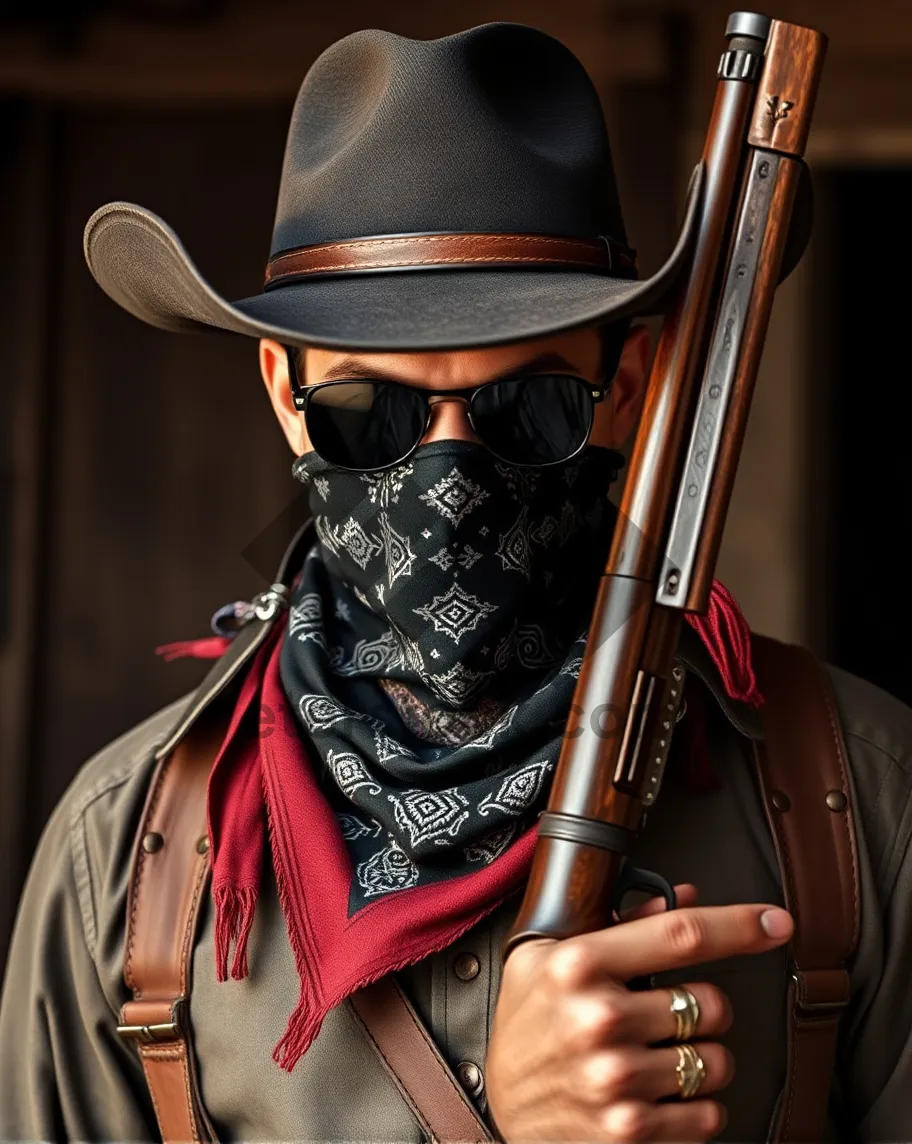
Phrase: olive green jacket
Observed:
(64, 1073)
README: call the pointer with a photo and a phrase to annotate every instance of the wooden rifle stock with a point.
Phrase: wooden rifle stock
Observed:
(679, 484)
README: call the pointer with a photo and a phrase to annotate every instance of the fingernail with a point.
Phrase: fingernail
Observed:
(776, 923)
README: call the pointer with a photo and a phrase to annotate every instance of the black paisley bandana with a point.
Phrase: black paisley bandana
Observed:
(433, 647)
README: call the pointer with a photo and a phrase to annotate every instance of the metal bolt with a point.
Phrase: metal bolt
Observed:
(836, 800)
(152, 842)
(763, 170)
(780, 800)
(672, 582)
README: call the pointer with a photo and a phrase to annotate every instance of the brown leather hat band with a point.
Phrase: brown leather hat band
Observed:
(427, 251)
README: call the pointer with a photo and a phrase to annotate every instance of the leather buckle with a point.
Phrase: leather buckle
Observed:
(820, 991)
(154, 1031)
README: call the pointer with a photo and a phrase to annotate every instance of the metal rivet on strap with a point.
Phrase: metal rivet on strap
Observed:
(780, 800)
(836, 800)
(202, 847)
(152, 842)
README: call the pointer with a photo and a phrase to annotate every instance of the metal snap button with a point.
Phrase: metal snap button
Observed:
(470, 1077)
(152, 842)
(202, 846)
(466, 966)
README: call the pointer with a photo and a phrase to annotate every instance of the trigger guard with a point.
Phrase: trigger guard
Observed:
(634, 878)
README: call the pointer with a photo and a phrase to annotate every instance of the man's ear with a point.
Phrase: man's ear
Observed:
(629, 385)
(274, 368)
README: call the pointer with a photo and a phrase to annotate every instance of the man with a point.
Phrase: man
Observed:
(469, 371)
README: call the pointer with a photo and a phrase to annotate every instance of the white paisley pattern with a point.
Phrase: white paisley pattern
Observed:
(319, 712)
(427, 815)
(350, 773)
(397, 550)
(514, 549)
(305, 620)
(358, 544)
(384, 488)
(387, 870)
(517, 792)
(352, 827)
(455, 496)
(460, 683)
(388, 748)
(368, 657)
(455, 612)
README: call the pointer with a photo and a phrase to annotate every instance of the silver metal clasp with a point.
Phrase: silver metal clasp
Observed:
(268, 604)
(165, 1031)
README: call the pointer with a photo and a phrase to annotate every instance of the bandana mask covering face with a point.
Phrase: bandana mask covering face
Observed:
(434, 643)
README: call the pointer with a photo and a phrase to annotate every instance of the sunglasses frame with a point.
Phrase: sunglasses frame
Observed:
(302, 395)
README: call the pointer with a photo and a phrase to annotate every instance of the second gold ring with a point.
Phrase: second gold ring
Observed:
(686, 1011)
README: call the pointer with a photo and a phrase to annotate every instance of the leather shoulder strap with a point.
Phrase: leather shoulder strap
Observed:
(415, 1066)
(170, 873)
(804, 780)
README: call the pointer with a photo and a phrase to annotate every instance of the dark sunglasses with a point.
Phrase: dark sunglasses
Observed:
(368, 424)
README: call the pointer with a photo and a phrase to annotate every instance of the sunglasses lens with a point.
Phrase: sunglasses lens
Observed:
(364, 424)
(536, 420)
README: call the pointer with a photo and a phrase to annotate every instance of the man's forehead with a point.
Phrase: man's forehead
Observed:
(573, 352)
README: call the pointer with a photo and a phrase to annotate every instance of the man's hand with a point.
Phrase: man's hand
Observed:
(572, 1053)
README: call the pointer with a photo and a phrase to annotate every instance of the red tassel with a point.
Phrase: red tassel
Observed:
(213, 647)
(234, 910)
(727, 638)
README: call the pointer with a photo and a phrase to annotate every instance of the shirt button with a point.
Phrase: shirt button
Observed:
(470, 1077)
(466, 966)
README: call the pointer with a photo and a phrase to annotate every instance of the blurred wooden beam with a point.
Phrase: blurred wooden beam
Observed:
(260, 51)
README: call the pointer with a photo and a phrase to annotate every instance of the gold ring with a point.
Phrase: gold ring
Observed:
(686, 1010)
(691, 1071)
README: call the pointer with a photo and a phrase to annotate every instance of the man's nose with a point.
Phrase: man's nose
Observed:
(449, 420)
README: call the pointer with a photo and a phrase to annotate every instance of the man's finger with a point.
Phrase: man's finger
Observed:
(673, 940)
(693, 1120)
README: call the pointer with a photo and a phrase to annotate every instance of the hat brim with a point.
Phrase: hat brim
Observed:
(139, 261)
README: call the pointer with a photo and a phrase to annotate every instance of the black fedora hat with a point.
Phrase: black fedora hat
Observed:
(434, 194)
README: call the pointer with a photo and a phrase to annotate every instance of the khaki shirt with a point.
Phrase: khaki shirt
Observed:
(64, 1073)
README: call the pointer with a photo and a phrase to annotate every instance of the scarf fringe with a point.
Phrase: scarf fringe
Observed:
(234, 911)
(212, 647)
(727, 638)
(300, 1033)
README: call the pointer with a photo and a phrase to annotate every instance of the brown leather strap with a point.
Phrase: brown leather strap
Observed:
(415, 1066)
(807, 796)
(427, 251)
(170, 872)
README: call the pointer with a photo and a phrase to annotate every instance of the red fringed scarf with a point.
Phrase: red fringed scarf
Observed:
(263, 781)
